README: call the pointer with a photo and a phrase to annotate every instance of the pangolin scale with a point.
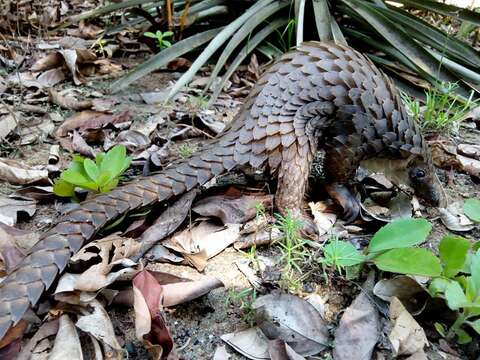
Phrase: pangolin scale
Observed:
(319, 95)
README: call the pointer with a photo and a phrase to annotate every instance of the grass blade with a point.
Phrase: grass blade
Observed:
(213, 46)
(322, 20)
(164, 57)
(337, 33)
(242, 33)
(300, 19)
(247, 49)
(444, 9)
(109, 9)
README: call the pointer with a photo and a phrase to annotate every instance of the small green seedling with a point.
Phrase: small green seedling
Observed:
(471, 208)
(101, 175)
(244, 299)
(185, 151)
(160, 37)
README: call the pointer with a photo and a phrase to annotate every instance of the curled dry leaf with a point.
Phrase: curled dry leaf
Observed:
(99, 325)
(133, 140)
(9, 208)
(16, 173)
(323, 220)
(13, 245)
(203, 241)
(232, 209)
(454, 219)
(150, 326)
(39, 193)
(35, 131)
(67, 343)
(8, 123)
(406, 337)
(251, 343)
(293, 320)
(471, 151)
(47, 329)
(91, 120)
(68, 101)
(444, 154)
(112, 251)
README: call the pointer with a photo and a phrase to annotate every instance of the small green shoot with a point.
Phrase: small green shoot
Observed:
(199, 101)
(259, 210)
(244, 299)
(160, 37)
(185, 151)
(101, 175)
(443, 110)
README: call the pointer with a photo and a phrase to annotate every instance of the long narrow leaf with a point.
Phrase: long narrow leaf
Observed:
(457, 68)
(216, 42)
(242, 34)
(322, 19)
(337, 33)
(300, 20)
(108, 9)
(247, 49)
(164, 57)
(431, 36)
(444, 9)
(400, 40)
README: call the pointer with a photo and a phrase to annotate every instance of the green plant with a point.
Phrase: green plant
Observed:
(259, 209)
(185, 151)
(393, 35)
(160, 37)
(443, 109)
(392, 248)
(244, 299)
(459, 285)
(101, 175)
(199, 101)
(471, 208)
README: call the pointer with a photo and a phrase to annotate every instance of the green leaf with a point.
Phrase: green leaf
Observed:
(455, 296)
(114, 160)
(399, 234)
(342, 253)
(440, 329)
(91, 169)
(437, 286)
(462, 336)
(150, 35)
(104, 177)
(475, 325)
(471, 207)
(167, 34)
(109, 186)
(412, 261)
(475, 271)
(78, 178)
(453, 252)
(63, 188)
(99, 158)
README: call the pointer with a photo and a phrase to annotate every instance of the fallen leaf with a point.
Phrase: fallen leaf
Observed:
(67, 343)
(406, 337)
(68, 101)
(14, 333)
(17, 173)
(14, 244)
(35, 131)
(40, 193)
(323, 220)
(51, 77)
(251, 343)
(454, 219)
(166, 223)
(359, 328)
(472, 151)
(232, 209)
(150, 327)
(203, 241)
(108, 253)
(209, 120)
(9, 208)
(292, 319)
(91, 120)
(133, 140)
(279, 350)
(47, 329)
(99, 325)
(8, 123)
(404, 288)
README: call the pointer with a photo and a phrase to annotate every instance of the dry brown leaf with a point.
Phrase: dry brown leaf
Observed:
(47, 329)
(99, 325)
(9, 208)
(404, 288)
(51, 77)
(472, 151)
(68, 101)
(67, 343)
(107, 252)
(79, 145)
(251, 343)
(41, 193)
(232, 207)
(279, 350)
(8, 123)
(323, 220)
(17, 173)
(203, 241)
(35, 131)
(454, 219)
(133, 140)
(292, 319)
(91, 120)
(407, 336)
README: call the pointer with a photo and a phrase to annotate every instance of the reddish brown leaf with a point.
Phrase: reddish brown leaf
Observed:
(91, 120)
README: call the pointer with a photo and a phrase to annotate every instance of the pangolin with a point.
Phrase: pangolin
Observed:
(318, 96)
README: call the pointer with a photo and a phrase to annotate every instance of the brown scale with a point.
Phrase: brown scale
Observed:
(317, 96)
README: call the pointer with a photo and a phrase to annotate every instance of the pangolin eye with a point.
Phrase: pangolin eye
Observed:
(419, 174)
